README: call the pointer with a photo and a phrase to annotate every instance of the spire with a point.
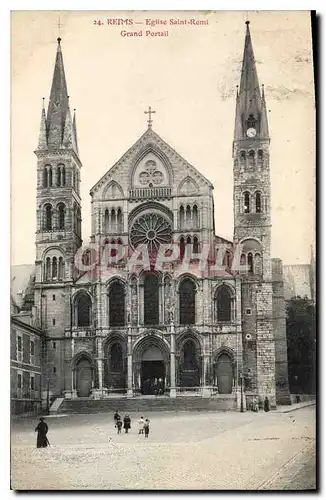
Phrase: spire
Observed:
(74, 134)
(58, 104)
(42, 141)
(250, 103)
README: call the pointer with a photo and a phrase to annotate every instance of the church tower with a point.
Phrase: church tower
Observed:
(252, 227)
(252, 207)
(58, 211)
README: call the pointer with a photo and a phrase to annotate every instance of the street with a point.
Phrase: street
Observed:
(185, 451)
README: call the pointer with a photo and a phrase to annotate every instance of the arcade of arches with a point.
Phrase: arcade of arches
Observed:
(155, 368)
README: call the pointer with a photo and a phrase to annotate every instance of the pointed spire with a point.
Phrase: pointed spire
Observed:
(67, 133)
(264, 132)
(74, 134)
(42, 141)
(58, 104)
(249, 96)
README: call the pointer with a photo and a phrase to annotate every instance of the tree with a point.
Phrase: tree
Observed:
(301, 344)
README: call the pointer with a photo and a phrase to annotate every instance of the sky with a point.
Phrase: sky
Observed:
(189, 78)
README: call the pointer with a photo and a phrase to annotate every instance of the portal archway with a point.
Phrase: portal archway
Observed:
(223, 373)
(151, 365)
(84, 376)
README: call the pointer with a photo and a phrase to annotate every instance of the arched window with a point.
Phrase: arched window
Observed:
(258, 203)
(260, 157)
(182, 217)
(113, 221)
(106, 221)
(48, 217)
(251, 122)
(61, 216)
(251, 157)
(182, 247)
(195, 216)
(258, 269)
(83, 307)
(187, 302)
(196, 245)
(116, 304)
(63, 175)
(54, 268)
(78, 221)
(50, 177)
(189, 356)
(246, 202)
(48, 268)
(227, 260)
(119, 220)
(242, 157)
(58, 176)
(61, 269)
(151, 300)
(243, 259)
(250, 263)
(116, 359)
(223, 303)
(45, 177)
(188, 217)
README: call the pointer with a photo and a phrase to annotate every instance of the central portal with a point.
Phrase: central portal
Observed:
(152, 372)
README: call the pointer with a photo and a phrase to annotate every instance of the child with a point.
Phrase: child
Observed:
(146, 427)
(141, 425)
(119, 425)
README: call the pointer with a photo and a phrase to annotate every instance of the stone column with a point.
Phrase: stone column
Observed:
(73, 371)
(100, 373)
(173, 392)
(206, 388)
(129, 366)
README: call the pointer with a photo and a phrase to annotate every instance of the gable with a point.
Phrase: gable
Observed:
(150, 161)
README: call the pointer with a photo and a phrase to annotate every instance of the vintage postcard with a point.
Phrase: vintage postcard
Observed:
(163, 250)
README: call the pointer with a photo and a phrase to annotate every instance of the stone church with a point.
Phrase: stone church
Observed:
(207, 320)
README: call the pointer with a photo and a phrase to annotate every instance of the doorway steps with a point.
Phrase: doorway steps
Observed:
(147, 404)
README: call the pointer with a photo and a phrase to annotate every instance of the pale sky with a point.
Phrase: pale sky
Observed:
(189, 78)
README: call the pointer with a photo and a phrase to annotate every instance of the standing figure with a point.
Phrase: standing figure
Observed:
(141, 425)
(116, 417)
(119, 425)
(42, 429)
(146, 427)
(126, 423)
(266, 404)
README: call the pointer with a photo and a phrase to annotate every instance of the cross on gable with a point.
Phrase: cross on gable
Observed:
(149, 112)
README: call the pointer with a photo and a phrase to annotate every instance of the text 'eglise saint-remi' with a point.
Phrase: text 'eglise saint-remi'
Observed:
(176, 22)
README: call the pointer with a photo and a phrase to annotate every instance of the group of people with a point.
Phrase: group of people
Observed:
(153, 386)
(143, 424)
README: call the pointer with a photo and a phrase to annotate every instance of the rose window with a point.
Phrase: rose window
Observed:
(152, 230)
(151, 176)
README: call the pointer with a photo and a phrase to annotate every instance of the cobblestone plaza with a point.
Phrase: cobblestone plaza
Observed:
(225, 450)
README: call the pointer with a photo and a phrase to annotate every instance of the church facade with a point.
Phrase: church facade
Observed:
(157, 302)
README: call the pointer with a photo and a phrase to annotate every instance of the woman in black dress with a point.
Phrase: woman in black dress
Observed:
(42, 430)
(126, 423)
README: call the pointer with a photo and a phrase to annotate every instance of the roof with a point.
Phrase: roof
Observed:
(21, 276)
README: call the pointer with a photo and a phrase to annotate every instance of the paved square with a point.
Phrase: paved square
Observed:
(185, 451)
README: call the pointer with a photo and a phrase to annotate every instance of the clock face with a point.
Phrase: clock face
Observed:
(251, 132)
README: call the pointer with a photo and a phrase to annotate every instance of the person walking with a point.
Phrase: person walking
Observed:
(146, 427)
(42, 430)
(116, 417)
(119, 425)
(266, 404)
(126, 423)
(141, 425)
